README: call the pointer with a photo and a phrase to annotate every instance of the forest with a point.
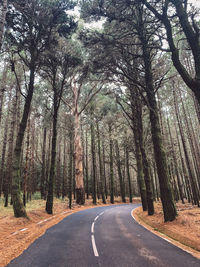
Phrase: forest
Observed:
(100, 99)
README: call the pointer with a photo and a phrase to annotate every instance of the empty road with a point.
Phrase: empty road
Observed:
(103, 236)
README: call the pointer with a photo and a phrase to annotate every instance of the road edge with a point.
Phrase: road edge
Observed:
(170, 240)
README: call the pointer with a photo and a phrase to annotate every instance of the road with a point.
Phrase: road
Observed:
(104, 236)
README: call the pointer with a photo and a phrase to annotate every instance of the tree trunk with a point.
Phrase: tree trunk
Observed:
(18, 206)
(94, 175)
(64, 168)
(43, 172)
(27, 163)
(138, 153)
(70, 166)
(102, 182)
(122, 189)
(128, 174)
(2, 168)
(86, 164)
(104, 171)
(3, 11)
(8, 175)
(78, 154)
(111, 165)
(168, 204)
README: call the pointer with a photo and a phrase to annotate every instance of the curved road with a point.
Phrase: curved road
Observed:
(103, 236)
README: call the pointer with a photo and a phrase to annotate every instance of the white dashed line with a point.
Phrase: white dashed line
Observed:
(96, 254)
(96, 218)
(92, 228)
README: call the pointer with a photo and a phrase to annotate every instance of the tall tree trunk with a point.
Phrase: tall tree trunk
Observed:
(104, 170)
(168, 204)
(8, 175)
(43, 172)
(94, 174)
(122, 189)
(2, 168)
(3, 11)
(27, 163)
(49, 202)
(64, 168)
(71, 150)
(102, 182)
(86, 164)
(78, 154)
(111, 165)
(19, 210)
(48, 162)
(128, 174)
(138, 152)
(3, 89)
(58, 169)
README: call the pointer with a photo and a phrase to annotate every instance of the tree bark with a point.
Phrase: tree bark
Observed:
(168, 204)
(111, 165)
(122, 189)
(102, 181)
(19, 210)
(49, 203)
(27, 163)
(128, 174)
(86, 164)
(3, 11)
(43, 172)
(2, 168)
(94, 174)
(8, 174)
(78, 154)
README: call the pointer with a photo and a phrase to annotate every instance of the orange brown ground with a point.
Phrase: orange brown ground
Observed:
(183, 232)
(12, 245)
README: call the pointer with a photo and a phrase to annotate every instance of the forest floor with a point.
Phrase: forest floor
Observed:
(16, 234)
(183, 232)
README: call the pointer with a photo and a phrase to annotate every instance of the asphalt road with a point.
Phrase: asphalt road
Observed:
(103, 236)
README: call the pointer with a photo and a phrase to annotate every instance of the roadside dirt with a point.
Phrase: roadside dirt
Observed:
(16, 234)
(183, 232)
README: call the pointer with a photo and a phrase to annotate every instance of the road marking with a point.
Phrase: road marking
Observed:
(92, 228)
(96, 254)
(40, 222)
(14, 233)
(22, 230)
(96, 218)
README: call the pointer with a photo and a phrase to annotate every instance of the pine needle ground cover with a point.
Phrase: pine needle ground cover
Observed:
(185, 229)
